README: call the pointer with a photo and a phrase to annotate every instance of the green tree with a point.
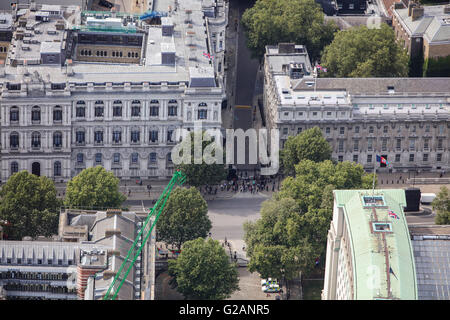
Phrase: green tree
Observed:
(205, 172)
(293, 227)
(308, 145)
(364, 52)
(270, 22)
(203, 271)
(94, 188)
(30, 206)
(441, 204)
(277, 244)
(437, 67)
(184, 217)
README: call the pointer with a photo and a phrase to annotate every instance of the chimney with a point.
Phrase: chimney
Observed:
(399, 5)
(417, 13)
(286, 47)
(2, 72)
(69, 70)
(447, 9)
(411, 5)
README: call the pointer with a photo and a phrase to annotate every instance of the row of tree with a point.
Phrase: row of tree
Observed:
(356, 52)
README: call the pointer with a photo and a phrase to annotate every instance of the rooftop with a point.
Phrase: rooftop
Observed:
(379, 241)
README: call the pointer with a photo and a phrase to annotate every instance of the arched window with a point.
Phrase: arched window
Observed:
(14, 140)
(57, 114)
(136, 108)
(117, 108)
(14, 114)
(202, 104)
(57, 169)
(14, 167)
(57, 139)
(35, 140)
(36, 114)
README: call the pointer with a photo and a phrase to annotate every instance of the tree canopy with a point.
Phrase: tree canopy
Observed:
(293, 228)
(94, 188)
(364, 52)
(442, 206)
(29, 205)
(205, 172)
(184, 217)
(203, 271)
(270, 22)
(308, 145)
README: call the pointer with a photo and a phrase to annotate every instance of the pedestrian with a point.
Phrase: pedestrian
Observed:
(225, 240)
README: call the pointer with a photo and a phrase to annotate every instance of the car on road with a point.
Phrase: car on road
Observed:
(271, 288)
(268, 281)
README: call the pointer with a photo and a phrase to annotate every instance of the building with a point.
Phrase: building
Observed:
(6, 31)
(65, 269)
(108, 89)
(406, 120)
(422, 30)
(369, 252)
(350, 6)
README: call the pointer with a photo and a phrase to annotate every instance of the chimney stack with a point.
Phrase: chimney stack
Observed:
(417, 13)
(411, 5)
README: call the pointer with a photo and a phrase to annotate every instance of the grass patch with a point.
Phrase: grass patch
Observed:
(312, 289)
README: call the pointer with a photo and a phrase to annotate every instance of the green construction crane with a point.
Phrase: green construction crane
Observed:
(178, 178)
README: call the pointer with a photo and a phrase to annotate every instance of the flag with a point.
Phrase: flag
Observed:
(318, 66)
(392, 271)
(380, 159)
(207, 55)
(393, 215)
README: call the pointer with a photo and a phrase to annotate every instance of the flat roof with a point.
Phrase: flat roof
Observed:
(378, 253)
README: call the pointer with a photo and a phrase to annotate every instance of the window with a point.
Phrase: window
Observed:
(411, 157)
(173, 110)
(329, 114)
(154, 111)
(80, 109)
(399, 144)
(79, 136)
(36, 114)
(355, 158)
(117, 110)
(439, 157)
(116, 157)
(202, 114)
(14, 114)
(117, 136)
(14, 167)
(80, 158)
(412, 143)
(397, 158)
(355, 145)
(152, 157)
(299, 130)
(57, 139)
(341, 146)
(98, 136)
(385, 129)
(382, 227)
(357, 129)
(426, 144)
(340, 158)
(135, 110)
(169, 135)
(98, 110)
(370, 129)
(327, 130)
(441, 129)
(369, 144)
(314, 114)
(14, 140)
(425, 157)
(413, 128)
(57, 169)
(427, 128)
(384, 144)
(57, 114)
(369, 158)
(134, 158)
(98, 158)
(153, 136)
(439, 146)
(135, 136)
(285, 130)
(341, 130)
(35, 140)
(373, 201)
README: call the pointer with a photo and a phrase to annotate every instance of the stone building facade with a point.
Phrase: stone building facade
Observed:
(406, 120)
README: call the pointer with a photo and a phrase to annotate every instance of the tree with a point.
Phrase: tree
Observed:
(293, 228)
(94, 188)
(364, 52)
(203, 271)
(308, 145)
(437, 67)
(442, 206)
(275, 242)
(205, 172)
(29, 205)
(184, 217)
(270, 22)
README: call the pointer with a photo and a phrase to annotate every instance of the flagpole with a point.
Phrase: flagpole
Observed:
(374, 174)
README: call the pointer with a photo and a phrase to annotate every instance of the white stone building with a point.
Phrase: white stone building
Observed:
(110, 92)
(406, 120)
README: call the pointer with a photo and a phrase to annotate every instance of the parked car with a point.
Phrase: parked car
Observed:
(271, 288)
(427, 198)
(267, 281)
